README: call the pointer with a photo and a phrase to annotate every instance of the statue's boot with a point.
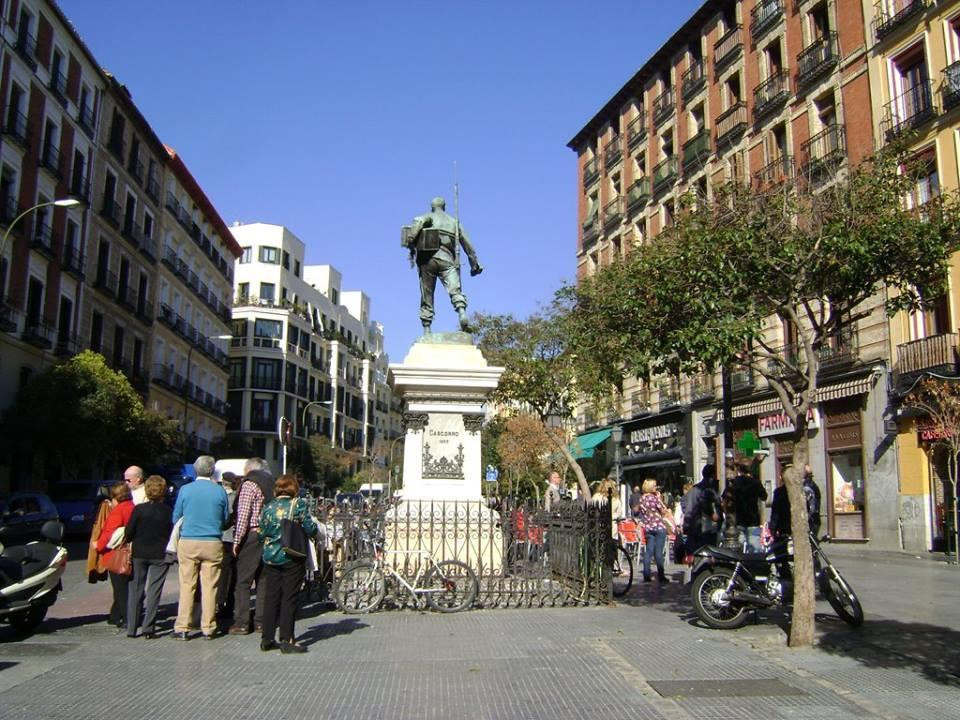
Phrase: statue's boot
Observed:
(464, 322)
(426, 328)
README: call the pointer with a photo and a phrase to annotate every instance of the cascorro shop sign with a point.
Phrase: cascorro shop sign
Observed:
(779, 423)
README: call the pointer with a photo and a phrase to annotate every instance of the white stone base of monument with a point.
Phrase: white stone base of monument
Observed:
(444, 382)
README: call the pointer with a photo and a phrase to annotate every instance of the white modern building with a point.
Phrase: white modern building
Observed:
(304, 350)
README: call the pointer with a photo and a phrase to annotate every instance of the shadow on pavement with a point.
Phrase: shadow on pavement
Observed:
(930, 650)
(326, 631)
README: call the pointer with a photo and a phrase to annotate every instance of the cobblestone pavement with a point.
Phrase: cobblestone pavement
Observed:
(642, 659)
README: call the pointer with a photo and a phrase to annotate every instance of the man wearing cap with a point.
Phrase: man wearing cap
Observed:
(434, 243)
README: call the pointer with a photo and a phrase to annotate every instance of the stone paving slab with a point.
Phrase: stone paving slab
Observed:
(532, 663)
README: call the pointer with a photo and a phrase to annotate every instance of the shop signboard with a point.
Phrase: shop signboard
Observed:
(779, 423)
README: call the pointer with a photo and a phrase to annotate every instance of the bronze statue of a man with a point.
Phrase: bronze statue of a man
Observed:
(434, 242)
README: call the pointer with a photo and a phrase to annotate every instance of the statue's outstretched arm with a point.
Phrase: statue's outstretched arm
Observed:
(475, 267)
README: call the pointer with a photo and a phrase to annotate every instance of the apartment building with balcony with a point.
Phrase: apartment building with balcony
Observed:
(758, 92)
(194, 295)
(122, 259)
(914, 62)
(51, 89)
(302, 349)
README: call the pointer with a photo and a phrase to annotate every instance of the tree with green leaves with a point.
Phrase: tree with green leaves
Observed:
(540, 368)
(716, 287)
(85, 416)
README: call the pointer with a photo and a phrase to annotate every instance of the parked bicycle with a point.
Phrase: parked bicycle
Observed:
(624, 559)
(446, 586)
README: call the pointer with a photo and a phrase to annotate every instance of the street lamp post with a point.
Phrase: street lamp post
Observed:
(186, 387)
(63, 202)
(303, 419)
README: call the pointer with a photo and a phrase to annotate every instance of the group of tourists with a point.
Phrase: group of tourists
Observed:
(227, 537)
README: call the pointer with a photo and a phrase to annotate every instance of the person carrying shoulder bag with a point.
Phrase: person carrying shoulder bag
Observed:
(284, 568)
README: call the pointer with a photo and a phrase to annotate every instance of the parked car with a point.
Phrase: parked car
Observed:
(77, 504)
(22, 516)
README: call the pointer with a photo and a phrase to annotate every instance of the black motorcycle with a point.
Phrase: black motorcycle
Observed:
(727, 584)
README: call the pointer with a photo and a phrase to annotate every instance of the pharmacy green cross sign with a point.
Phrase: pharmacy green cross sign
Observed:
(748, 444)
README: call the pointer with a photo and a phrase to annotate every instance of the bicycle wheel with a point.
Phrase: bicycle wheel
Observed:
(451, 586)
(360, 589)
(622, 575)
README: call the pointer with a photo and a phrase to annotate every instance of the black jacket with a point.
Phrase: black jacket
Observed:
(149, 530)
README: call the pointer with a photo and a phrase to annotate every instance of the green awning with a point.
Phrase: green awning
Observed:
(585, 444)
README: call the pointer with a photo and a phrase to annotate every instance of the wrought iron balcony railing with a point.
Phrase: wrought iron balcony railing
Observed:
(663, 106)
(42, 238)
(891, 14)
(841, 349)
(731, 122)
(26, 47)
(612, 212)
(612, 152)
(50, 159)
(823, 151)
(665, 172)
(693, 80)
(637, 129)
(58, 85)
(771, 93)
(669, 393)
(728, 48)
(590, 172)
(774, 173)
(950, 88)
(696, 151)
(702, 387)
(765, 16)
(638, 194)
(15, 127)
(908, 111)
(85, 119)
(817, 59)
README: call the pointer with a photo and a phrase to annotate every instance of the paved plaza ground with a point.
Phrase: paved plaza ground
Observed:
(645, 658)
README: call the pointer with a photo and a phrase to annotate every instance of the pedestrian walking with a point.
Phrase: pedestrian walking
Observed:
(283, 573)
(634, 502)
(205, 511)
(256, 490)
(148, 530)
(702, 511)
(652, 514)
(748, 492)
(96, 572)
(121, 508)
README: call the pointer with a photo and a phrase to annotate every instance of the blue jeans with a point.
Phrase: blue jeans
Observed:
(656, 541)
(751, 536)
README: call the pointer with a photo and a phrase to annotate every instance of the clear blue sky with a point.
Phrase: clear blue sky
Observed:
(341, 120)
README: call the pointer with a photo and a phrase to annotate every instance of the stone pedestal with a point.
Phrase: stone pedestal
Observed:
(444, 382)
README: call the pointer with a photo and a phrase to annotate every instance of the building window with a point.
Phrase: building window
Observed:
(267, 293)
(266, 374)
(270, 255)
(147, 225)
(243, 292)
(263, 414)
(296, 268)
(927, 184)
(247, 255)
(286, 260)
(267, 333)
(238, 372)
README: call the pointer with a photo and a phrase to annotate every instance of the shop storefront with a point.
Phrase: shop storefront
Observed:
(659, 448)
(846, 480)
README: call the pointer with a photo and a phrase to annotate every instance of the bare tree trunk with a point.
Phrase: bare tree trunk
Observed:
(572, 463)
(952, 470)
(804, 598)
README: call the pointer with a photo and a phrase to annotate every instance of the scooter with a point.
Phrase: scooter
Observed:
(30, 578)
(728, 584)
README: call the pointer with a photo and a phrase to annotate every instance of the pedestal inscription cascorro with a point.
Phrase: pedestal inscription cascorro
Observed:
(444, 382)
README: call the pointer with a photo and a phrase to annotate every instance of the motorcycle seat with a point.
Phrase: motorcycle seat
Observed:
(30, 559)
(10, 571)
(746, 558)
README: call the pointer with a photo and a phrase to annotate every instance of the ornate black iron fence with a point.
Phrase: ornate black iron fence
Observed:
(523, 555)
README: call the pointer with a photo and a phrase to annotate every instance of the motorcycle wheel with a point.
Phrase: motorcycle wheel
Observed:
(24, 622)
(841, 597)
(712, 605)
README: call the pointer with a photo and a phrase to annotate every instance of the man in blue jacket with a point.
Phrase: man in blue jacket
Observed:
(203, 506)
